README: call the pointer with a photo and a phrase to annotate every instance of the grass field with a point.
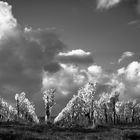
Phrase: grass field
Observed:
(10, 131)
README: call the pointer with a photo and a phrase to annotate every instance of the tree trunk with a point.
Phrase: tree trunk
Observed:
(114, 118)
(91, 114)
(87, 115)
(47, 114)
(118, 119)
(17, 105)
(133, 113)
(105, 113)
(114, 113)
(126, 119)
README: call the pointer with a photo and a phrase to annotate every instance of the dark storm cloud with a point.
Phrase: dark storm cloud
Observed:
(52, 67)
(23, 57)
(49, 41)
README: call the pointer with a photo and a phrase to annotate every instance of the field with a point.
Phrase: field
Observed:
(16, 131)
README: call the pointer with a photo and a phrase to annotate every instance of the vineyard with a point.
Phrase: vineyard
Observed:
(83, 113)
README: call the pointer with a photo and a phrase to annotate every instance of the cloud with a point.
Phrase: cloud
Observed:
(71, 77)
(138, 6)
(106, 4)
(78, 57)
(130, 77)
(126, 55)
(7, 20)
(95, 73)
(66, 81)
(52, 67)
(134, 22)
(132, 72)
(23, 58)
(78, 52)
(94, 69)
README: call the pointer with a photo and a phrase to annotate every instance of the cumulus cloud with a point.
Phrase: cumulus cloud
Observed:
(132, 72)
(7, 20)
(96, 73)
(126, 55)
(71, 77)
(106, 4)
(130, 76)
(78, 52)
(75, 57)
(95, 69)
(66, 81)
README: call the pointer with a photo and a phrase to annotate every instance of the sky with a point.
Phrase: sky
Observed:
(65, 44)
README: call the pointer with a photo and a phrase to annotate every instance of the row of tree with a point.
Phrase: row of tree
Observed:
(23, 111)
(84, 109)
(7, 112)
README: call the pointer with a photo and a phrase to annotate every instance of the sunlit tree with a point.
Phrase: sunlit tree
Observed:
(72, 113)
(7, 112)
(103, 110)
(114, 98)
(102, 106)
(25, 108)
(120, 111)
(130, 110)
(87, 93)
(127, 110)
(19, 99)
(81, 105)
(105, 107)
(137, 113)
(49, 100)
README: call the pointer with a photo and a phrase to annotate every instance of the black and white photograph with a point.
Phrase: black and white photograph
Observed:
(69, 69)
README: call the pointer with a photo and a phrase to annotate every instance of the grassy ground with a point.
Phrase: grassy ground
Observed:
(10, 131)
